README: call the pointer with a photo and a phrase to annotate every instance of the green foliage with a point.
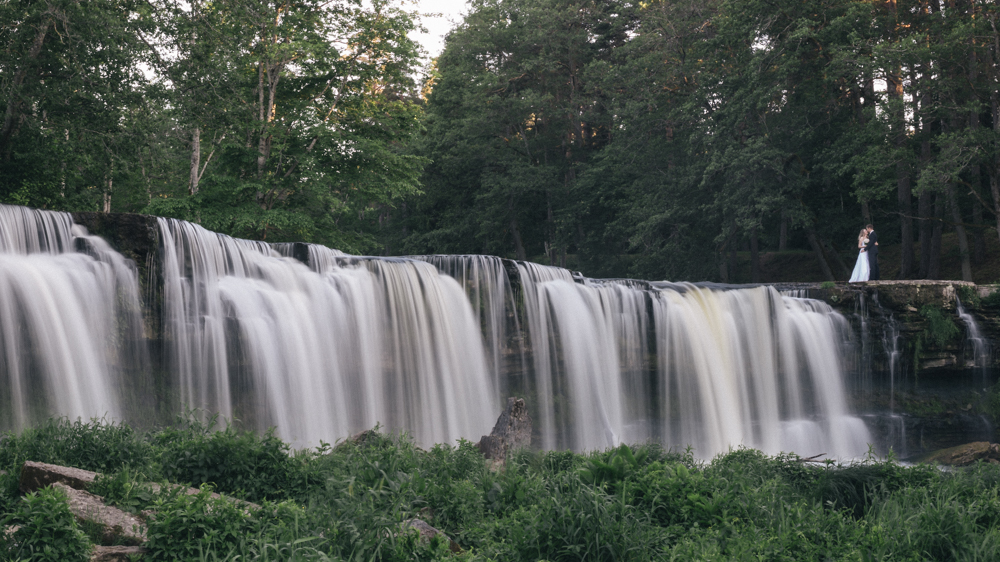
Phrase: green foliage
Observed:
(941, 329)
(98, 445)
(627, 503)
(990, 404)
(47, 531)
(186, 527)
(827, 285)
(992, 300)
(969, 296)
(241, 463)
(126, 489)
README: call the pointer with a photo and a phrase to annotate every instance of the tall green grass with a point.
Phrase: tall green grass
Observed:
(626, 504)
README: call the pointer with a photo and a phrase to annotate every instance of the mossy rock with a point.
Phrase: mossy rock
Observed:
(964, 455)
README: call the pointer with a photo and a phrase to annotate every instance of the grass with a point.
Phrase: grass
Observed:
(629, 503)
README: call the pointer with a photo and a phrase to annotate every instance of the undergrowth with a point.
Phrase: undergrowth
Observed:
(639, 503)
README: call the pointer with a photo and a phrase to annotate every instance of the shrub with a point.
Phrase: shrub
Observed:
(256, 467)
(47, 531)
(127, 489)
(941, 329)
(992, 300)
(969, 296)
(97, 445)
(186, 527)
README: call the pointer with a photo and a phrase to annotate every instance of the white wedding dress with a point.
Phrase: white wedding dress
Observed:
(860, 267)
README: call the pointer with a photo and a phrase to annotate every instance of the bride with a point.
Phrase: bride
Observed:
(861, 266)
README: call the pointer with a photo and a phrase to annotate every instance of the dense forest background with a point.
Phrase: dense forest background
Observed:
(667, 139)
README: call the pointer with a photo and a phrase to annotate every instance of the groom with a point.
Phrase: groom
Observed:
(871, 248)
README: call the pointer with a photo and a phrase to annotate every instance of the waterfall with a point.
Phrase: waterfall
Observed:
(974, 337)
(489, 290)
(69, 320)
(732, 367)
(322, 351)
(755, 368)
(320, 345)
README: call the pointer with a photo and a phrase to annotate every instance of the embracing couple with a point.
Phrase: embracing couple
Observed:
(866, 268)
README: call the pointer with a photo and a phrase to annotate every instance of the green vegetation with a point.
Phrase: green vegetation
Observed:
(969, 296)
(941, 329)
(628, 503)
(46, 530)
(667, 139)
(992, 300)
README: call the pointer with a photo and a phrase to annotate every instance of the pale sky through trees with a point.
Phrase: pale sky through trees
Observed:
(437, 27)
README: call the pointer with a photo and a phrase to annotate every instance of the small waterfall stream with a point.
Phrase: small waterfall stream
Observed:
(427, 344)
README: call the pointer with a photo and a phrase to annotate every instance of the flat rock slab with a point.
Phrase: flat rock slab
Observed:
(116, 553)
(37, 475)
(115, 524)
(964, 455)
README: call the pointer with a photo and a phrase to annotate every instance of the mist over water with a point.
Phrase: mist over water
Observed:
(430, 345)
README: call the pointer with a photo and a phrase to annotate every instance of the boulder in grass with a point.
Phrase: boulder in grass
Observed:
(116, 553)
(966, 454)
(511, 432)
(115, 524)
(427, 533)
(37, 475)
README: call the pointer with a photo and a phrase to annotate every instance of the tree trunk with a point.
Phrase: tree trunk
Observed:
(818, 250)
(754, 257)
(13, 101)
(904, 193)
(904, 196)
(518, 245)
(783, 232)
(195, 161)
(925, 209)
(978, 236)
(107, 197)
(995, 191)
(963, 240)
(934, 265)
(832, 251)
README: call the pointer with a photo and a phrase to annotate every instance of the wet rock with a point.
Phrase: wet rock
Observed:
(427, 533)
(964, 455)
(36, 475)
(115, 524)
(117, 553)
(512, 431)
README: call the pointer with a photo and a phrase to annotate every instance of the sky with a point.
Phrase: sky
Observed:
(450, 13)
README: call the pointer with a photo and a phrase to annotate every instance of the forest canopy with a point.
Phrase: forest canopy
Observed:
(646, 139)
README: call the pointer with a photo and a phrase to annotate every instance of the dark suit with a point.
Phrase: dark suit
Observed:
(872, 250)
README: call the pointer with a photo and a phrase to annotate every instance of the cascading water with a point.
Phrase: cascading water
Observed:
(323, 352)
(754, 368)
(980, 346)
(489, 290)
(427, 344)
(69, 320)
(733, 367)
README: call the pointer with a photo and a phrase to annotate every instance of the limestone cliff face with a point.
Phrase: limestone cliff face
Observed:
(926, 316)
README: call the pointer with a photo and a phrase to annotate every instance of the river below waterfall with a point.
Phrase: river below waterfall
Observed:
(322, 345)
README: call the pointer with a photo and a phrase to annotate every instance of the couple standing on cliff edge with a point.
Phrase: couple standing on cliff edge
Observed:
(866, 268)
